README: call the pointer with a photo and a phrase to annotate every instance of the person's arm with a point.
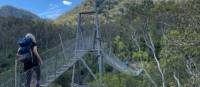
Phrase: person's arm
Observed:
(35, 51)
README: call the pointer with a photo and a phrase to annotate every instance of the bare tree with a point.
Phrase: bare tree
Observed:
(135, 38)
(150, 44)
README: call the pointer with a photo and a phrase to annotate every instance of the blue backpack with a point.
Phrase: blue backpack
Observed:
(25, 49)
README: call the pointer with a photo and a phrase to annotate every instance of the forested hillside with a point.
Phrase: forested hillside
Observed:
(161, 37)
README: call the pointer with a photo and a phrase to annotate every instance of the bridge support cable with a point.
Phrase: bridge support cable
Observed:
(63, 50)
(89, 69)
(73, 73)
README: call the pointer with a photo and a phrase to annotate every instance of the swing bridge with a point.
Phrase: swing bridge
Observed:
(68, 54)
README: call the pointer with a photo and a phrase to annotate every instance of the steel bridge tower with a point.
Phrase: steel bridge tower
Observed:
(97, 49)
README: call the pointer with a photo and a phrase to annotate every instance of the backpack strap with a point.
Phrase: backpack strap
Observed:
(31, 51)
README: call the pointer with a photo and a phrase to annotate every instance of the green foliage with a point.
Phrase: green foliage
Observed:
(122, 80)
(120, 47)
(55, 85)
(64, 80)
(179, 48)
(119, 44)
(140, 55)
(175, 34)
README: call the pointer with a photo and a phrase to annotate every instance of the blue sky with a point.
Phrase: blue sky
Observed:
(44, 8)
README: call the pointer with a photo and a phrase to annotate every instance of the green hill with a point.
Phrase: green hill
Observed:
(10, 11)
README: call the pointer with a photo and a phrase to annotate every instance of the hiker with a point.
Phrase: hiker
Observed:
(33, 63)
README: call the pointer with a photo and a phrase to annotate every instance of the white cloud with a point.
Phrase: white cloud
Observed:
(65, 2)
(53, 6)
(54, 10)
(52, 14)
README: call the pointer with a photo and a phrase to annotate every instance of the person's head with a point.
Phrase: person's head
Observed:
(31, 36)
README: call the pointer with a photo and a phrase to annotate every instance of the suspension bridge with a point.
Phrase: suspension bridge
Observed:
(63, 57)
(68, 53)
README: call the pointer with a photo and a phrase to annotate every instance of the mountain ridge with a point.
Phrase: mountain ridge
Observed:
(11, 11)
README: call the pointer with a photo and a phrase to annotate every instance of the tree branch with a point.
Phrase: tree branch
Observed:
(152, 47)
(177, 80)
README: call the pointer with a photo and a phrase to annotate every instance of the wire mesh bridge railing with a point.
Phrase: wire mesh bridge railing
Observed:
(56, 61)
